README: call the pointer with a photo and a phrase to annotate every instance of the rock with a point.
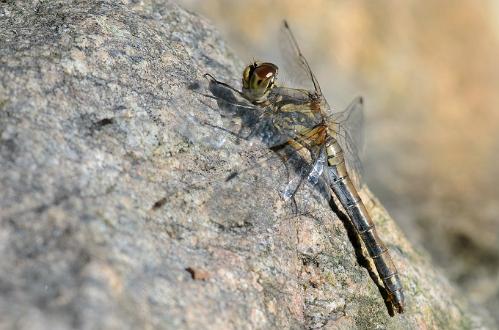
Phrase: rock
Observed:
(114, 208)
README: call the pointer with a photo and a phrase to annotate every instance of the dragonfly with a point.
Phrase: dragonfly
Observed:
(300, 122)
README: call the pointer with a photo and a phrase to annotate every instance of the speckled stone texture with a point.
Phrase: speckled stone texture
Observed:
(115, 212)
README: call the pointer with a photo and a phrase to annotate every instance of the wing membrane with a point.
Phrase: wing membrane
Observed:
(348, 126)
(296, 67)
(254, 122)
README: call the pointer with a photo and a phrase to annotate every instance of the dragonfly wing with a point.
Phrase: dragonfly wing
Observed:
(348, 127)
(232, 102)
(284, 164)
(273, 158)
(318, 167)
(296, 68)
(250, 121)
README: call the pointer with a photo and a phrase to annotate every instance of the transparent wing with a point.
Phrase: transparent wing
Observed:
(296, 69)
(289, 165)
(233, 104)
(348, 126)
(307, 171)
(253, 122)
(285, 161)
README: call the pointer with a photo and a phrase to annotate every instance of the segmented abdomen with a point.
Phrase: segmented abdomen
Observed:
(345, 191)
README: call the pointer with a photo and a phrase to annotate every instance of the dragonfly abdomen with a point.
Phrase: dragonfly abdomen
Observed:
(345, 191)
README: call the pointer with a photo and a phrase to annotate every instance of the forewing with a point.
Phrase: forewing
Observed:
(273, 155)
(296, 69)
(244, 119)
(233, 104)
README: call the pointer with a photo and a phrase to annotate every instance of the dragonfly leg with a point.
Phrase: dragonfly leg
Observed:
(218, 82)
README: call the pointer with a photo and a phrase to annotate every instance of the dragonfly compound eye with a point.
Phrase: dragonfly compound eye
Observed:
(258, 80)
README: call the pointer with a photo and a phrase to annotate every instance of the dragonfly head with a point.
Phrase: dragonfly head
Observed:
(258, 80)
